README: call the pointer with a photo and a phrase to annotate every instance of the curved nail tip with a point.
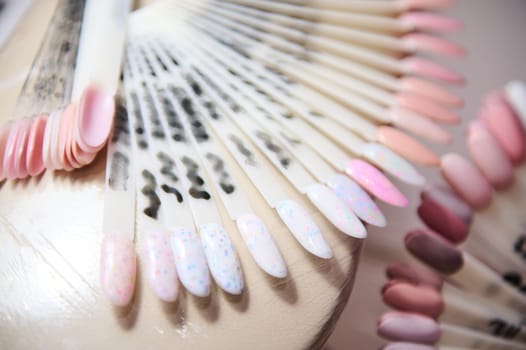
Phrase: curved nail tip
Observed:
(430, 90)
(4, 135)
(427, 4)
(393, 164)
(160, 266)
(96, 111)
(407, 346)
(261, 245)
(407, 147)
(118, 269)
(430, 21)
(222, 258)
(433, 44)
(433, 70)
(407, 326)
(190, 261)
(375, 182)
(303, 228)
(426, 107)
(357, 199)
(415, 274)
(413, 298)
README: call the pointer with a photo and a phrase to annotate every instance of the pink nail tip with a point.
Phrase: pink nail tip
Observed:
(118, 269)
(415, 274)
(10, 150)
(427, 107)
(21, 148)
(409, 297)
(34, 161)
(160, 266)
(411, 327)
(430, 21)
(466, 180)
(430, 90)
(419, 125)
(375, 182)
(96, 111)
(427, 4)
(407, 346)
(4, 135)
(433, 44)
(426, 68)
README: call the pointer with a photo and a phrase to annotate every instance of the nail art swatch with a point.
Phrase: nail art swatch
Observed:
(408, 327)
(160, 265)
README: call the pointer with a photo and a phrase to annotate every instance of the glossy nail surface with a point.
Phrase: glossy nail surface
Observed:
(419, 125)
(408, 297)
(190, 261)
(375, 182)
(409, 327)
(336, 211)
(34, 161)
(415, 274)
(19, 161)
(222, 258)
(432, 70)
(430, 90)
(430, 21)
(118, 269)
(261, 245)
(357, 199)
(10, 151)
(95, 114)
(427, 107)
(303, 228)
(160, 265)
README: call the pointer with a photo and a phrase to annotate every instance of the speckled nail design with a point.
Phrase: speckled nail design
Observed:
(261, 245)
(336, 211)
(357, 199)
(222, 258)
(304, 228)
(160, 265)
(190, 261)
(118, 269)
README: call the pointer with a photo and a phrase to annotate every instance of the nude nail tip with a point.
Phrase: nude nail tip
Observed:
(408, 297)
(118, 269)
(426, 107)
(190, 261)
(160, 266)
(430, 21)
(375, 182)
(411, 327)
(427, 4)
(430, 90)
(357, 199)
(95, 113)
(408, 346)
(407, 147)
(433, 44)
(303, 228)
(433, 70)
(261, 245)
(393, 164)
(336, 211)
(222, 258)
(415, 274)
(420, 126)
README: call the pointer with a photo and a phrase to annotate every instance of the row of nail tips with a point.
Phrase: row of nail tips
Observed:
(49, 81)
(253, 230)
(302, 226)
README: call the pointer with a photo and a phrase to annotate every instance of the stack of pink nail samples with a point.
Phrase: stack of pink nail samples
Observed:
(474, 295)
(65, 139)
(326, 92)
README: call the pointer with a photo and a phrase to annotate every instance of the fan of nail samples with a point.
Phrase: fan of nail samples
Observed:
(317, 92)
(475, 295)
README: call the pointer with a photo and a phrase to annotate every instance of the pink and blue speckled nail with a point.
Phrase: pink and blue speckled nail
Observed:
(160, 265)
(222, 258)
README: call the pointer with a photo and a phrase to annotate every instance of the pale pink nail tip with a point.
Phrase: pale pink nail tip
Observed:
(430, 21)
(118, 269)
(96, 111)
(160, 266)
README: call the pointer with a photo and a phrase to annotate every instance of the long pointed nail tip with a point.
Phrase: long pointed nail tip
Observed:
(118, 269)
(222, 258)
(431, 90)
(190, 261)
(375, 182)
(261, 245)
(393, 164)
(433, 70)
(430, 21)
(303, 228)
(433, 44)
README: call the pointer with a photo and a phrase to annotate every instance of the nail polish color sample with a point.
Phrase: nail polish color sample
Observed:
(261, 245)
(408, 327)
(466, 181)
(118, 269)
(407, 346)
(357, 199)
(429, 21)
(415, 274)
(392, 163)
(375, 182)
(430, 90)
(515, 93)
(10, 150)
(406, 146)
(419, 299)
(34, 161)
(190, 261)
(426, 68)
(422, 42)
(95, 114)
(222, 258)
(427, 107)
(20, 149)
(419, 125)
(426, 4)
(4, 135)
(160, 265)
(434, 250)
(303, 228)
(489, 157)
(442, 211)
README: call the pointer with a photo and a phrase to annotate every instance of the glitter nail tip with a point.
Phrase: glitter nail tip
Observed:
(222, 258)
(303, 228)
(357, 199)
(393, 164)
(190, 261)
(375, 182)
(336, 211)
(160, 266)
(261, 245)
(118, 269)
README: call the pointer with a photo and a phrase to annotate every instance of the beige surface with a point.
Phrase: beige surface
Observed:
(50, 235)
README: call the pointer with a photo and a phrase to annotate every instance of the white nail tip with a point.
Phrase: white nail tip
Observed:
(222, 258)
(160, 266)
(190, 261)
(336, 211)
(304, 229)
(261, 245)
(357, 199)
(392, 163)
